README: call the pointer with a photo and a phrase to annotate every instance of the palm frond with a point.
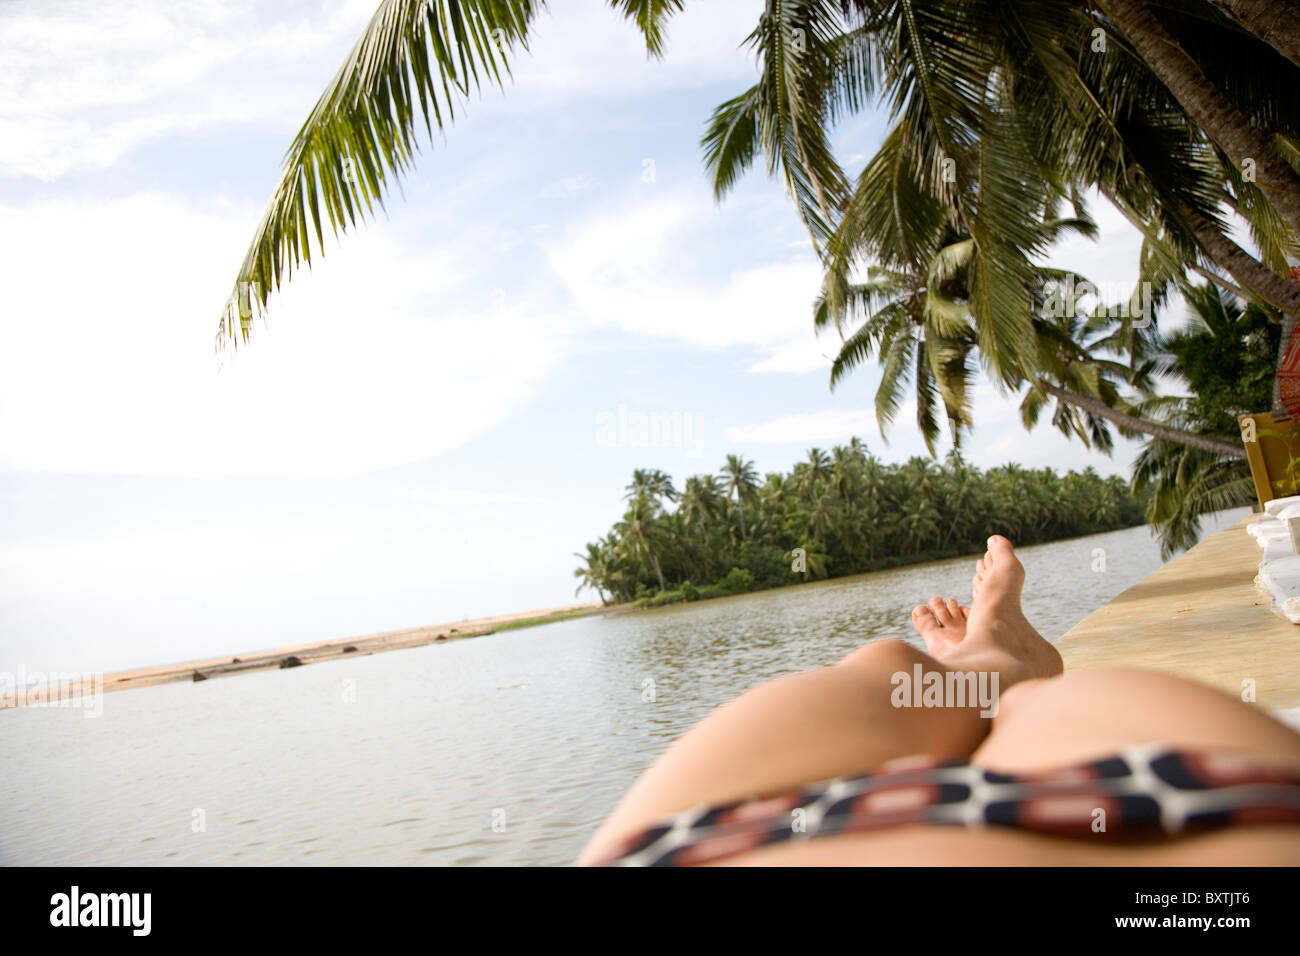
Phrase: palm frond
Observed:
(878, 331)
(731, 140)
(802, 63)
(417, 60)
(651, 18)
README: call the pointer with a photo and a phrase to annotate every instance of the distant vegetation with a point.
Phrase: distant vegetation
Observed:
(833, 514)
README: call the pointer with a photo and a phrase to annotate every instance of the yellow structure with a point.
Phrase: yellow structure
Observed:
(1267, 453)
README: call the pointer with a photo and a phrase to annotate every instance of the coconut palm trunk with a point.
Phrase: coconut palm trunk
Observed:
(1099, 408)
(1245, 268)
(1272, 21)
(1222, 122)
(654, 561)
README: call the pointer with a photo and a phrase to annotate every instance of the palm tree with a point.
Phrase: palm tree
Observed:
(1186, 484)
(918, 322)
(701, 500)
(846, 468)
(774, 499)
(823, 515)
(1269, 21)
(417, 62)
(946, 508)
(804, 86)
(621, 577)
(642, 534)
(1003, 108)
(816, 562)
(814, 471)
(741, 481)
(894, 327)
(933, 67)
(918, 523)
(1207, 102)
(1224, 355)
(960, 496)
(594, 571)
(875, 486)
(650, 483)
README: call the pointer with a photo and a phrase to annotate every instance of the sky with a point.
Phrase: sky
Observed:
(443, 409)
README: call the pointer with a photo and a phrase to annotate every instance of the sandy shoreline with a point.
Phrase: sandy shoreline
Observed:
(297, 655)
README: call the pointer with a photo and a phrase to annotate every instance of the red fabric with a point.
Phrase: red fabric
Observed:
(1288, 372)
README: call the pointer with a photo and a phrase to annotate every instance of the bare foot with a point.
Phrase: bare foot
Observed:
(941, 624)
(997, 634)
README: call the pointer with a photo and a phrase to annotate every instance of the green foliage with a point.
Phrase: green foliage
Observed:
(767, 564)
(1226, 357)
(846, 511)
(737, 581)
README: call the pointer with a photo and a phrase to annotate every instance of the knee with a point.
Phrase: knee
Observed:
(890, 652)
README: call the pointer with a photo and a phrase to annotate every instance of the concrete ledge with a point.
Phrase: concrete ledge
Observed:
(1200, 617)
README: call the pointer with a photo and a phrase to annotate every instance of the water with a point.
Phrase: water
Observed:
(507, 749)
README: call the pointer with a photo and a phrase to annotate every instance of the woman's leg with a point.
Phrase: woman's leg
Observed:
(841, 719)
(1092, 713)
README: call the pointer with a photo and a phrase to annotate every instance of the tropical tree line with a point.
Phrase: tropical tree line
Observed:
(834, 513)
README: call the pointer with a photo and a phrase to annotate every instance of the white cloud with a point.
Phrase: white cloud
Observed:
(584, 49)
(806, 427)
(463, 495)
(638, 269)
(84, 83)
(567, 186)
(807, 354)
(376, 358)
(1112, 259)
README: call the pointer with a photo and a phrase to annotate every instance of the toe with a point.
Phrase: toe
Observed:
(964, 611)
(923, 618)
(954, 609)
(941, 612)
(998, 545)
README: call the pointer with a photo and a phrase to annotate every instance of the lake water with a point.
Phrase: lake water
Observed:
(506, 749)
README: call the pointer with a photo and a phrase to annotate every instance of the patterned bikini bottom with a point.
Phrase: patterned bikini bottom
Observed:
(1143, 793)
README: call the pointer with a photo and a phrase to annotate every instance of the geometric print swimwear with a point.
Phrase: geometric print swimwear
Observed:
(1144, 792)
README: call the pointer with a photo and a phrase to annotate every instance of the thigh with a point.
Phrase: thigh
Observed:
(1089, 714)
(795, 730)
